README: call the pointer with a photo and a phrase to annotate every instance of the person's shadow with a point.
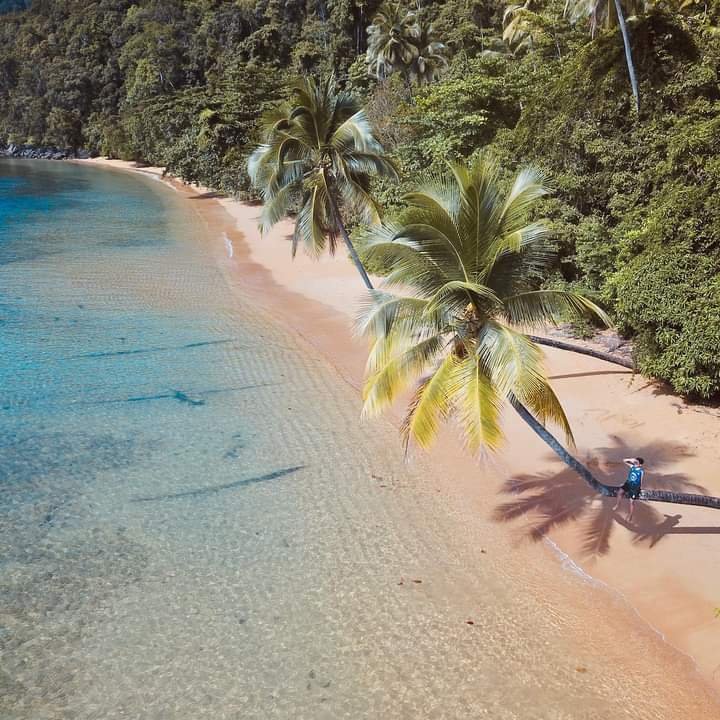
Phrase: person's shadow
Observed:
(550, 500)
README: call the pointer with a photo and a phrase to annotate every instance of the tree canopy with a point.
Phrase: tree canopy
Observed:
(634, 213)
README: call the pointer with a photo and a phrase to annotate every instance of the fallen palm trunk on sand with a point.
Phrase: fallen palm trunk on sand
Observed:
(666, 496)
(599, 354)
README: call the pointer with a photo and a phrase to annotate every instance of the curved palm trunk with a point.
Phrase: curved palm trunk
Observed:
(560, 345)
(628, 53)
(351, 248)
(666, 496)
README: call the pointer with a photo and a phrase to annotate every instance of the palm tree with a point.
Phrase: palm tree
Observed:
(392, 40)
(607, 14)
(470, 262)
(320, 152)
(431, 62)
(520, 32)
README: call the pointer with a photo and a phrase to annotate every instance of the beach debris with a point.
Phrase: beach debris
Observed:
(581, 669)
(469, 622)
(417, 581)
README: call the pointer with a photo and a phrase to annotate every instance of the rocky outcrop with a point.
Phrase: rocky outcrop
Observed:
(40, 153)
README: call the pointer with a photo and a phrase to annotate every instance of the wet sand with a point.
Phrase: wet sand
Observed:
(618, 580)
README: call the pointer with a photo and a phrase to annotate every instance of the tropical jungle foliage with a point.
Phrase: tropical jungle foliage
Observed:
(635, 209)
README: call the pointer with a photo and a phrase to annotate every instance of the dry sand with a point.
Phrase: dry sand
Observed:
(665, 564)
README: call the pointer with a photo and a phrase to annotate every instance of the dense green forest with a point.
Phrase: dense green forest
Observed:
(636, 207)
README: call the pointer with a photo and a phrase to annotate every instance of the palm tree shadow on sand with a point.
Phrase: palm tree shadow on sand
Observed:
(552, 500)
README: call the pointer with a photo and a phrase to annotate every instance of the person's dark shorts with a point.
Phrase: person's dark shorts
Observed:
(632, 490)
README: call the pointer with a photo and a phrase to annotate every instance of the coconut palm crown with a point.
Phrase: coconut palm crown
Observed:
(430, 63)
(469, 262)
(320, 152)
(393, 40)
(601, 13)
(521, 30)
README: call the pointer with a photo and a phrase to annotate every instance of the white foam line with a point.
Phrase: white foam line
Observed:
(228, 245)
(567, 563)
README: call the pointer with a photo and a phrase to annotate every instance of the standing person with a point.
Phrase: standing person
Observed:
(633, 484)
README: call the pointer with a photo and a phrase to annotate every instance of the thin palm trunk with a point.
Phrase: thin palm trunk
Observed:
(351, 248)
(628, 54)
(560, 345)
(666, 496)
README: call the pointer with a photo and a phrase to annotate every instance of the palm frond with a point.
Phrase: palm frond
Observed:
(355, 133)
(379, 312)
(312, 224)
(477, 404)
(431, 404)
(368, 163)
(517, 368)
(549, 307)
(455, 296)
(400, 362)
(276, 208)
(511, 359)
(529, 186)
(518, 263)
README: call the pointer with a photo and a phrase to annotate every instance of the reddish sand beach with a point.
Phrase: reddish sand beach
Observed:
(660, 574)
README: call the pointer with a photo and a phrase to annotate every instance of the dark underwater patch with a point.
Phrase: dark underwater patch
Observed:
(214, 489)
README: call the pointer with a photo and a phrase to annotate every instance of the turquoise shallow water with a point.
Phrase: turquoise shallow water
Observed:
(193, 523)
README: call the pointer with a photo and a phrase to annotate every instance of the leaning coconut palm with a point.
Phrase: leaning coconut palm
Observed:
(431, 63)
(320, 151)
(609, 14)
(392, 40)
(470, 262)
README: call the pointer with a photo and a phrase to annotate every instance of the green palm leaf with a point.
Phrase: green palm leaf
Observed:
(548, 307)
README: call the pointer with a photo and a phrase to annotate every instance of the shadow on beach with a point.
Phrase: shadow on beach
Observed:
(548, 501)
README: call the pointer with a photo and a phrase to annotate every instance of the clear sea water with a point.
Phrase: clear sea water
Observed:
(193, 523)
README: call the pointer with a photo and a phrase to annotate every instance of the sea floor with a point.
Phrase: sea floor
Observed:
(195, 524)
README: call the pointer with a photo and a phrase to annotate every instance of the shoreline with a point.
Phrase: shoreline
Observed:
(311, 297)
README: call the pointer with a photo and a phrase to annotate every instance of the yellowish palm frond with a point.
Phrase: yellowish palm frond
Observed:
(431, 404)
(477, 404)
(400, 364)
